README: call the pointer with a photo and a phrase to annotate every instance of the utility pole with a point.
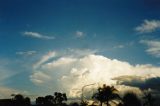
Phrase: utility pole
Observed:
(83, 90)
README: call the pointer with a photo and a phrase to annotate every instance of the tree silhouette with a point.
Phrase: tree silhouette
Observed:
(120, 104)
(149, 100)
(49, 100)
(74, 104)
(59, 97)
(40, 100)
(131, 99)
(18, 100)
(106, 94)
(27, 101)
(84, 103)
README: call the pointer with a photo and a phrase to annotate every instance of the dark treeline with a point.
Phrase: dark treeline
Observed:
(105, 96)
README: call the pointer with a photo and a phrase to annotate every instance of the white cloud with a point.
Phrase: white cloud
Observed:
(153, 47)
(67, 53)
(118, 46)
(79, 34)
(6, 74)
(124, 88)
(6, 92)
(39, 77)
(26, 53)
(5, 71)
(69, 73)
(124, 45)
(143, 82)
(80, 52)
(148, 26)
(45, 58)
(37, 35)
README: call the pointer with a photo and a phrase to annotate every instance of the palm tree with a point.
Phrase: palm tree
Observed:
(106, 94)
(84, 103)
(131, 99)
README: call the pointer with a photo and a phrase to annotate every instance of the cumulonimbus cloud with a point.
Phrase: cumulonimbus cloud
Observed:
(143, 82)
(68, 73)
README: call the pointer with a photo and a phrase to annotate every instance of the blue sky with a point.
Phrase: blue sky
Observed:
(31, 31)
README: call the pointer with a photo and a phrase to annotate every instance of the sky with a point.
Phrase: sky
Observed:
(62, 45)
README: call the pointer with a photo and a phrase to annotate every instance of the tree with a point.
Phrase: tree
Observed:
(131, 99)
(149, 100)
(106, 94)
(27, 101)
(74, 104)
(59, 97)
(18, 100)
(84, 103)
(40, 100)
(49, 100)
